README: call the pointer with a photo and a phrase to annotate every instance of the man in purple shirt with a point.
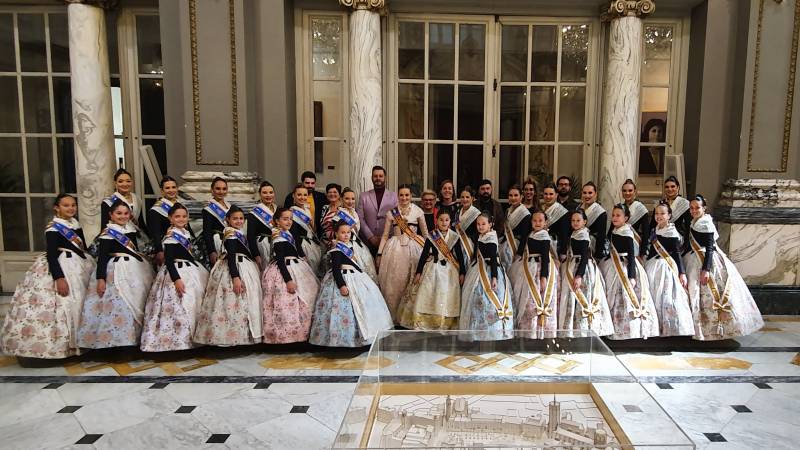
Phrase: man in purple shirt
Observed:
(373, 206)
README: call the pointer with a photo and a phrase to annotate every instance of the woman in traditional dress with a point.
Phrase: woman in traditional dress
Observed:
(259, 225)
(465, 224)
(42, 321)
(447, 199)
(350, 310)
(303, 230)
(583, 304)
(114, 307)
(722, 305)
(627, 288)
(640, 217)
(361, 253)
(158, 221)
(328, 215)
(401, 244)
(667, 277)
(230, 313)
(530, 195)
(440, 272)
(290, 286)
(171, 308)
(486, 305)
(534, 284)
(558, 221)
(123, 190)
(214, 219)
(597, 220)
(517, 227)
(681, 216)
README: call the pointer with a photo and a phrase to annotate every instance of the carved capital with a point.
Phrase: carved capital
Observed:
(105, 4)
(626, 8)
(377, 5)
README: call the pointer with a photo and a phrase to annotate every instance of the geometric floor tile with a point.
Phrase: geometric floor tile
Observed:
(762, 385)
(741, 408)
(218, 438)
(53, 386)
(299, 409)
(687, 363)
(89, 439)
(69, 409)
(715, 437)
(632, 408)
(664, 385)
(322, 362)
(159, 385)
(185, 409)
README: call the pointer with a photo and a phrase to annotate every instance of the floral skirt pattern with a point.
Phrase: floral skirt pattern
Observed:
(287, 317)
(398, 263)
(435, 303)
(739, 316)
(352, 321)
(364, 259)
(314, 256)
(115, 319)
(571, 314)
(541, 321)
(478, 313)
(224, 318)
(41, 323)
(628, 324)
(670, 298)
(169, 320)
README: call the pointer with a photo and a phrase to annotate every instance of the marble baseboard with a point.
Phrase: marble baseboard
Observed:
(781, 300)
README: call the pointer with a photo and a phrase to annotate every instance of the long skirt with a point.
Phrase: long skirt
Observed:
(478, 312)
(224, 318)
(573, 314)
(398, 264)
(265, 251)
(287, 317)
(313, 251)
(670, 298)
(507, 254)
(169, 320)
(436, 302)
(738, 316)
(41, 323)
(364, 259)
(628, 322)
(115, 319)
(352, 321)
(540, 317)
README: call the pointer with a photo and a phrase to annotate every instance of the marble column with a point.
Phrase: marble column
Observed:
(91, 109)
(620, 126)
(366, 124)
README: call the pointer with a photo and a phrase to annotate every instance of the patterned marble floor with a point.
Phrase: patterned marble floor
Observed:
(295, 397)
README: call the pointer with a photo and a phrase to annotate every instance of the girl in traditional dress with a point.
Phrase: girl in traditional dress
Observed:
(534, 284)
(722, 305)
(329, 213)
(303, 229)
(350, 310)
(681, 216)
(114, 307)
(214, 219)
(517, 227)
(290, 286)
(530, 195)
(259, 225)
(170, 311)
(597, 220)
(667, 277)
(439, 276)
(583, 304)
(447, 200)
(400, 252)
(347, 213)
(486, 297)
(640, 217)
(627, 289)
(158, 221)
(558, 220)
(230, 313)
(465, 224)
(45, 310)
(123, 190)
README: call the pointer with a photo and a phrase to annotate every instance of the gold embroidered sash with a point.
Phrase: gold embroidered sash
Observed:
(639, 310)
(588, 309)
(543, 308)
(512, 241)
(444, 250)
(500, 306)
(402, 223)
(662, 252)
(721, 302)
(466, 241)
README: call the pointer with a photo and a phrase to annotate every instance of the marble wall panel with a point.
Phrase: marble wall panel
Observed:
(765, 254)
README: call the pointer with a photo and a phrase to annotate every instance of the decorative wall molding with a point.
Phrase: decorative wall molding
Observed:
(789, 105)
(364, 4)
(626, 8)
(105, 4)
(198, 142)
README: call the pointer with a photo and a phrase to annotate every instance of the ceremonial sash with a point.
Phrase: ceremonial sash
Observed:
(302, 218)
(121, 238)
(238, 235)
(721, 302)
(346, 218)
(263, 215)
(500, 306)
(444, 250)
(69, 234)
(285, 235)
(639, 310)
(180, 238)
(401, 223)
(216, 211)
(518, 215)
(543, 309)
(662, 252)
(162, 207)
(588, 309)
(347, 251)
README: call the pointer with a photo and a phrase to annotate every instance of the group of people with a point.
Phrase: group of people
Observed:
(336, 270)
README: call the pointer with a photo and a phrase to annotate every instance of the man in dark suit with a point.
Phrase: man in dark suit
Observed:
(316, 199)
(564, 189)
(491, 206)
